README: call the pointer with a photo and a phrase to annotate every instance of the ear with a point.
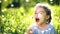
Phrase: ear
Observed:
(47, 17)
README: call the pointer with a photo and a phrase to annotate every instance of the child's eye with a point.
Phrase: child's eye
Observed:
(41, 13)
(35, 13)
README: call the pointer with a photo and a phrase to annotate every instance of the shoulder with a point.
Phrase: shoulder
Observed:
(50, 26)
(53, 30)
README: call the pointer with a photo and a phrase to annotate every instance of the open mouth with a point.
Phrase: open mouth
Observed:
(37, 19)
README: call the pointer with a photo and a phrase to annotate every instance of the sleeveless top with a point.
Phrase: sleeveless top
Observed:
(48, 30)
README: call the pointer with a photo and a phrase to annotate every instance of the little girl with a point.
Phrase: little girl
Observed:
(42, 15)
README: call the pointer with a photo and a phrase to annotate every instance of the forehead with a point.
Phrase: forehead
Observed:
(40, 9)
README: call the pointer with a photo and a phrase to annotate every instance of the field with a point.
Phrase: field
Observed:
(17, 20)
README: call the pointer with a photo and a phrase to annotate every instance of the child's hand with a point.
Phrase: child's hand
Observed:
(30, 31)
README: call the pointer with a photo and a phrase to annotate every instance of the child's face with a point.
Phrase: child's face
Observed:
(40, 16)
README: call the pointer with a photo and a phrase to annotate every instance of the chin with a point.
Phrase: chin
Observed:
(38, 23)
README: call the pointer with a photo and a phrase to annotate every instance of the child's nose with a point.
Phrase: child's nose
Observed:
(39, 15)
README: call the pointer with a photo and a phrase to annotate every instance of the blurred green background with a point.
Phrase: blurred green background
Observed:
(17, 15)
